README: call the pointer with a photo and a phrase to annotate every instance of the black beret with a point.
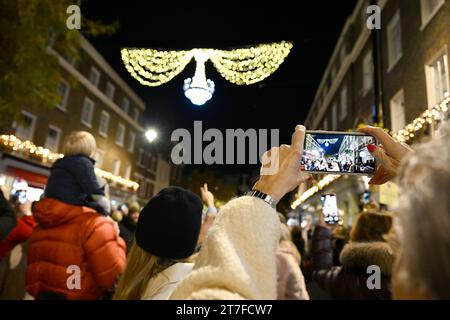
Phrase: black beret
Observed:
(169, 225)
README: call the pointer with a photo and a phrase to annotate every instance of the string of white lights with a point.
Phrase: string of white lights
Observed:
(46, 156)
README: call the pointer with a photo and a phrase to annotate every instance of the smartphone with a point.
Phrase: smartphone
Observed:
(338, 153)
(19, 196)
(330, 209)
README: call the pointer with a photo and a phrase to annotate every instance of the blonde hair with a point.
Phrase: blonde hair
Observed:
(285, 238)
(79, 142)
(141, 268)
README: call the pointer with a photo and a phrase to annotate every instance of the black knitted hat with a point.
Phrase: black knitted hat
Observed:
(169, 225)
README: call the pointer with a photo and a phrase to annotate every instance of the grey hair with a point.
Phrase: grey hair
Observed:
(424, 214)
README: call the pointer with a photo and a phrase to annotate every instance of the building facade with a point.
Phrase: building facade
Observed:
(96, 99)
(410, 67)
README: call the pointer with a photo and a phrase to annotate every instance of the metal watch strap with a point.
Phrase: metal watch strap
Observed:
(261, 195)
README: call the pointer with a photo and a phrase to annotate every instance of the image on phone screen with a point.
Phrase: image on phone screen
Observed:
(330, 209)
(338, 153)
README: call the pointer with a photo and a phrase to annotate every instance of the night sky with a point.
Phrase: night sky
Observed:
(281, 101)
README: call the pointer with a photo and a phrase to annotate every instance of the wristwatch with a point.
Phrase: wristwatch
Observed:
(261, 195)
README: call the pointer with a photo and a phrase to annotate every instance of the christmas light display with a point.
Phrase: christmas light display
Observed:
(244, 66)
(45, 156)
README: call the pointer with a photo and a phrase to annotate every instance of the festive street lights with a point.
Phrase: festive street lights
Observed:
(239, 66)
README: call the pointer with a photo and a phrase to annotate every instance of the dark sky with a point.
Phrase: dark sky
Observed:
(281, 101)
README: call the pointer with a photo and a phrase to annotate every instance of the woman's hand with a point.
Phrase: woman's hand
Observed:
(389, 154)
(288, 175)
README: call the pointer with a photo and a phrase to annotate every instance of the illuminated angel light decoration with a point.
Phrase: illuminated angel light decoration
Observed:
(327, 141)
(244, 66)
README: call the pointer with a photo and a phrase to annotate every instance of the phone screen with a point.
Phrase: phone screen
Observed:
(329, 208)
(338, 153)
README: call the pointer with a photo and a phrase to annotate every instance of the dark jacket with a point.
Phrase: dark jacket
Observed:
(72, 180)
(349, 281)
(127, 231)
(7, 217)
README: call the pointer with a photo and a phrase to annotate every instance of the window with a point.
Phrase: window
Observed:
(63, 91)
(153, 163)
(104, 124)
(367, 73)
(398, 111)
(127, 172)
(140, 159)
(51, 38)
(334, 117)
(87, 112)
(150, 188)
(116, 167)
(70, 59)
(26, 125)
(429, 8)
(125, 105)
(110, 90)
(342, 53)
(120, 134)
(98, 157)
(344, 104)
(131, 141)
(394, 40)
(136, 114)
(325, 92)
(333, 73)
(94, 76)
(53, 137)
(142, 188)
(437, 79)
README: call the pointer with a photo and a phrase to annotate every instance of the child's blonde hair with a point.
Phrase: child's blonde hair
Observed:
(79, 142)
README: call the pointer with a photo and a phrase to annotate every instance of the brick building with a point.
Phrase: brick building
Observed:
(94, 98)
(412, 72)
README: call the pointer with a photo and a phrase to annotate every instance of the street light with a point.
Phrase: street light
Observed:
(151, 135)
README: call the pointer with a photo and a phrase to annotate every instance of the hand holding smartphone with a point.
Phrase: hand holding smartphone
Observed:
(327, 152)
(330, 209)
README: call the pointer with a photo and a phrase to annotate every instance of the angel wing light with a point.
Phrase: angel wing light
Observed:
(327, 142)
(240, 66)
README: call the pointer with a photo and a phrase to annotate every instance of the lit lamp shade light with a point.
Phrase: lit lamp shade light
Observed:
(199, 89)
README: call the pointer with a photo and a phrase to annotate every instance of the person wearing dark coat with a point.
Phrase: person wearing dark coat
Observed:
(367, 248)
(72, 178)
(128, 225)
(8, 219)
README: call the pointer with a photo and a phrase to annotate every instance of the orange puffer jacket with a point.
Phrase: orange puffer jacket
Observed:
(70, 235)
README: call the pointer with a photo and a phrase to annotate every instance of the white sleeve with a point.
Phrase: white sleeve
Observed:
(237, 260)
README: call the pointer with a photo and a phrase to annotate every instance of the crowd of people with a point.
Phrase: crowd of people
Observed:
(180, 246)
(331, 164)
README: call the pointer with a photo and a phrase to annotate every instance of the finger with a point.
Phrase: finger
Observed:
(298, 138)
(382, 158)
(205, 186)
(202, 190)
(380, 177)
(382, 136)
(377, 177)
